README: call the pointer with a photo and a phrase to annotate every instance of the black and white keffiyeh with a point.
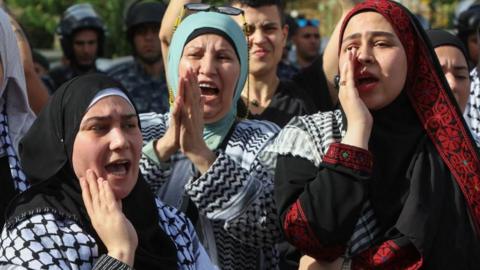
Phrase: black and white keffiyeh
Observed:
(19, 178)
(234, 198)
(47, 241)
(472, 111)
(16, 117)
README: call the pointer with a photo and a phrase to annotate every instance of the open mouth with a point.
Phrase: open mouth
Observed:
(208, 89)
(118, 167)
(366, 80)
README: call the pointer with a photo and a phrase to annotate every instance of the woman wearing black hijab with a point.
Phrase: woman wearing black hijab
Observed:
(452, 55)
(90, 132)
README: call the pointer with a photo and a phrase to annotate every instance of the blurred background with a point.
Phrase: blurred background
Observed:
(40, 18)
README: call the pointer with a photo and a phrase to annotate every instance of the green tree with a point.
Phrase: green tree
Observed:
(40, 19)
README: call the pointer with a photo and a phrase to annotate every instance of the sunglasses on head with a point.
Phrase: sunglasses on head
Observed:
(227, 10)
(306, 22)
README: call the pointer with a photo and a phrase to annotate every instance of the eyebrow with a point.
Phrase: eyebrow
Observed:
(226, 50)
(269, 23)
(107, 118)
(372, 33)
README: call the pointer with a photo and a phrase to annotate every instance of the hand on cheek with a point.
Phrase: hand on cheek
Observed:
(107, 218)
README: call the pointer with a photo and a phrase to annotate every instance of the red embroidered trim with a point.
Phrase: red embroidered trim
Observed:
(449, 135)
(390, 256)
(436, 109)
(349, 156)
(298, 232)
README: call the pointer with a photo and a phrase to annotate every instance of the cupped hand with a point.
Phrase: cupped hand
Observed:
(359, 118)
(105, 211)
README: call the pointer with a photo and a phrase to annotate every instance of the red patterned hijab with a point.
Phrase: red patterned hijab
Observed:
(425, 184)
(433, 101)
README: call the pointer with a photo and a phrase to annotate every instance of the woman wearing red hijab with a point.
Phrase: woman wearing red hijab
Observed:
(392, 180)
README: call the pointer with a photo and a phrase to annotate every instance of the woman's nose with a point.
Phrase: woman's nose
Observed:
(118, 139)
(364, 55)
(451, 81)
(207, 65)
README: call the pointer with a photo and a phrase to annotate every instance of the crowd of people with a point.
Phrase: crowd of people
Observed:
(218, 148)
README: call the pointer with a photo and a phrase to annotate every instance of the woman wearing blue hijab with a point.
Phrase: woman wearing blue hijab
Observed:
(200, 158)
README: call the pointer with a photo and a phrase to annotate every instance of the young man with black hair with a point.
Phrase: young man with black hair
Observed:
(306, 39)
(311, 76)
(265, 96)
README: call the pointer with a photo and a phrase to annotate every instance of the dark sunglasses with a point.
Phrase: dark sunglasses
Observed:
(227, 10)
(306, 22)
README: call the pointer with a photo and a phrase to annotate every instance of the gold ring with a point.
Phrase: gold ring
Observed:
(343, 83)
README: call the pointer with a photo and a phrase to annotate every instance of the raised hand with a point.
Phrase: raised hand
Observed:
(170, 142)
(108, 220)
(192, 124)
(359, 118)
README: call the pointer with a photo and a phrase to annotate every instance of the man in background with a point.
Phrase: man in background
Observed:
(307, 42)
(82, 35)
(144, 77)
(308, 61)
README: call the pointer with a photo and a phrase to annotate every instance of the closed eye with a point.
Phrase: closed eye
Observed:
(382, 44)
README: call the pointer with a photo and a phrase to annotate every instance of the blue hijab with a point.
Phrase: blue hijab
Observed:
(213, 133)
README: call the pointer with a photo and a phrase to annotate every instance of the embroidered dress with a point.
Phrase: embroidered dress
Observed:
(47, 241)
(234, 197)
(316, 138)
(409, 199)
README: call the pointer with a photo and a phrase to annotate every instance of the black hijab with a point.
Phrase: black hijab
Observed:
(440, 38)
(426, 164)
(46, 152)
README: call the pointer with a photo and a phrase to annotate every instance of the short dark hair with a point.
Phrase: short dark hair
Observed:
(261, 3)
